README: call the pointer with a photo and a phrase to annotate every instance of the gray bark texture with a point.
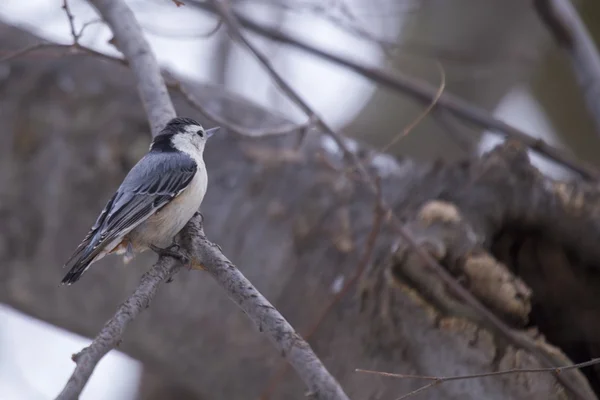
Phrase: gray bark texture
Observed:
(525, 245)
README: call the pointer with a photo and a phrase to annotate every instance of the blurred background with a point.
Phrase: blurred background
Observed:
(496, 54)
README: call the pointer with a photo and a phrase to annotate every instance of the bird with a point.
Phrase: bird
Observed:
(158, 196)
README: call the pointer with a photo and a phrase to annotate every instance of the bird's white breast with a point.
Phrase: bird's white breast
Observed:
(161, 228)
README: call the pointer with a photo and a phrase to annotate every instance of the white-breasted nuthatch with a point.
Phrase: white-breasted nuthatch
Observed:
(160, 194)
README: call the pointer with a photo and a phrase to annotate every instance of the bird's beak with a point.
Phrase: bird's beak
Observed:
(212, 131)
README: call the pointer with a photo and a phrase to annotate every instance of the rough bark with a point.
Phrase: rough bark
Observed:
(72, 127)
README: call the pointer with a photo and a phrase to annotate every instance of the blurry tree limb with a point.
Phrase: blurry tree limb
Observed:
(233, 127)
(401, 327)
(172, 83)
(466, 142)
(130, 41)
(483, 59)
(569, 31)
(112, 333)
(419, 90)
(159, 108)
(422, 115)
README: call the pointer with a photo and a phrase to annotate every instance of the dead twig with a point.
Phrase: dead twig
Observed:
(32, 48)
(224, 123)
(569, 31)
(173, 84)
(441, 379)
(71, 19)
(423, 114)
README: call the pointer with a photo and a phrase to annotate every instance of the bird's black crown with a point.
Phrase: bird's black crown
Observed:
(178, 122)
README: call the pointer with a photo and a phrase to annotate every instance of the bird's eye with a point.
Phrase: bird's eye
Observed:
(200, 133)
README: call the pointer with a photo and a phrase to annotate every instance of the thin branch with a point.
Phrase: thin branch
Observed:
(30, 49)
(569, 31)
(419, 90)
(159, 109)
(130, 40)
(441, 379)
(172, 84)
(87, 25)
(71, 19)
(231, 21)
(232, 126)
(422, 115)
(112, 332)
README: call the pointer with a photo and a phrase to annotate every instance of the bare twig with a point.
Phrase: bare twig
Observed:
(131, 42)
(441, 379)
(30, 49)
(173, 84)
(419, 90)
(569, 31)
(112, 332)
(159, 109)
(413, 123)
(71, 19)
(223, 122)
(231, 21)
(87, 24)
(422, 115)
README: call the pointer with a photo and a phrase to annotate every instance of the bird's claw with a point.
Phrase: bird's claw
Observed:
(172, 251)
(199, 214)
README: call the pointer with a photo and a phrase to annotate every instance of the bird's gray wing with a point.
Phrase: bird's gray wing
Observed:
(151, 184)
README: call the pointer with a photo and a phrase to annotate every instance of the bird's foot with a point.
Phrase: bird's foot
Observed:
(172, 251)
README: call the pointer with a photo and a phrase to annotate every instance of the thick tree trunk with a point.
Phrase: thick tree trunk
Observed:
(72, 127)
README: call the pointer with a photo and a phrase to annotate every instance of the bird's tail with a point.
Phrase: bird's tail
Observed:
(88, 252)
(75, 273)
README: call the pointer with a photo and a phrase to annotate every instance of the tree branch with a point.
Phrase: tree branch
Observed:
(290, 345)
(112, 332)
(130, 40)
(159, 110)
(569, 31)
(420, 90)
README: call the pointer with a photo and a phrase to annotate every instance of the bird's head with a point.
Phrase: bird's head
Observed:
(182, 134)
